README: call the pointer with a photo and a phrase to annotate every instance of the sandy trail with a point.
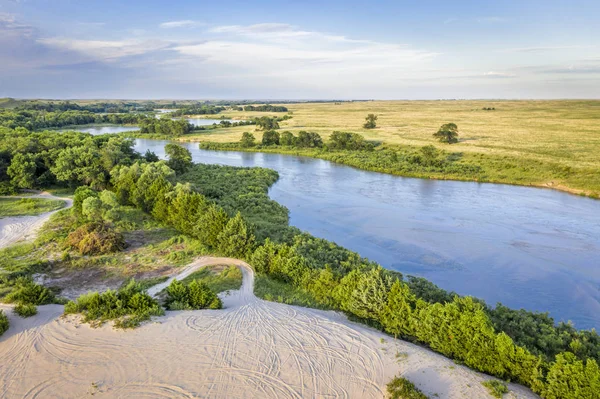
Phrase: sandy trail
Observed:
(250, 349)
(19, 228)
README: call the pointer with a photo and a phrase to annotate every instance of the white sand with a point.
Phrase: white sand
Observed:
(250, 349)
(20, 228)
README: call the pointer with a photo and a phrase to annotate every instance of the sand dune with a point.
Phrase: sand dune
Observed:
(19, 228)
(250, 349)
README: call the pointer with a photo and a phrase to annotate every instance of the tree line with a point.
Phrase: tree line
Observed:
(266, 108)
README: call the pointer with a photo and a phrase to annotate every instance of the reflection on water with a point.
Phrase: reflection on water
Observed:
(525, 247)
(97, 130)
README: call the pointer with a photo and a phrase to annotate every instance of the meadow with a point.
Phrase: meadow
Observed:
(550, 143)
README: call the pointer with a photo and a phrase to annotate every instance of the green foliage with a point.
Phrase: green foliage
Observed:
(129, 306)
(22, 170)
(247, 140)
(348, 141)
(447, 133)
(496, 388)
(266, 108)
(266, 123)
(28, 206)
(25, 309)
(270, 137)
(180, 158)
(236, 240)
(96, 238)
(308, 140)
(370, 121)
(25, 291)
(165, 126)
(401, 388)
(81, 194)
(571, 378)
(195, 295)
(4, 324)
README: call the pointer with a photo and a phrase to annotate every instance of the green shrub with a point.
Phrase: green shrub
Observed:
(401, 388)
(3, 322)
(129, 306)
(496, 388)
(196, 295)
(25, 291)
(95, 239)
(25, 309)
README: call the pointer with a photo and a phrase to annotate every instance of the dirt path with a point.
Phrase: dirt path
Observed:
(250, 349)
(20, 228)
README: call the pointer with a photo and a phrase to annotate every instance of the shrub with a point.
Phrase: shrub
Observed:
(129, 306)
(247, 140)
(3, 322)
(96, 238)
(401, 388)
(196, 295)
(25, 291)
(25, 309)
(496, 388)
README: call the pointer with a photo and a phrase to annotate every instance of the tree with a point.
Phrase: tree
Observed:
(180, 158)
(448, 133)
(247, 140)
(150, 156)
(270, 137)
(266, 123)
(308, 140)
(370, 121)
(80, 165)
(22, 170)
(236, 239)
(287, 139)
(348, 141)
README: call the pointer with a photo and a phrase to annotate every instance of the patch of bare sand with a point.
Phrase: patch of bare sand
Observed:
(250, 349)
(21, 228)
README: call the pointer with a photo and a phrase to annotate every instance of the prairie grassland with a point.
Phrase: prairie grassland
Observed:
(564, 134)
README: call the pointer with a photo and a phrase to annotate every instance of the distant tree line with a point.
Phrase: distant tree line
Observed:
(266, 108)
(36, 120)
(197, 110)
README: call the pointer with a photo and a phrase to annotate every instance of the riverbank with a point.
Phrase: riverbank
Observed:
(479, 168)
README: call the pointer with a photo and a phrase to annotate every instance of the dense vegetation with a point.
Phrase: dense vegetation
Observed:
(28, 206)
(401, 388)
(128, 307)
(266, 108)
(460, 328)
(204, 109)
(36, 120)
(229, 278)
(4, 324)
(195, 295)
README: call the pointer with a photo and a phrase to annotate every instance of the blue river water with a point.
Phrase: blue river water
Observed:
(531, 248)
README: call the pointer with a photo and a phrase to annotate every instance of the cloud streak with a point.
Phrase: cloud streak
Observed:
(179, 24)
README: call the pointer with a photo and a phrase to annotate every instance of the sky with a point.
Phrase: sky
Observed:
(392, 49)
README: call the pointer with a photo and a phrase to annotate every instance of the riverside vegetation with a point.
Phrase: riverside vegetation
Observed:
(555, 361)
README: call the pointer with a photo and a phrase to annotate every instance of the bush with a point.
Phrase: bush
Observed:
(496, 388)
(196, 295)
(401, 388)
(25, 309)
(129, 306)
(3, 322)
(25, 291)
(96, 238)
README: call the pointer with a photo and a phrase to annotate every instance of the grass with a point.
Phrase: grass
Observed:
(28, 206)
(542, 143)
(496, 388)
(217, 278)
(401, 388)
(272, 290)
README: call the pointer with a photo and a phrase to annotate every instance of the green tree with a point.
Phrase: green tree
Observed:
(210, 225)
(236, 239)
(571, 378)
(397, 315)
(180, 158)
(22, 170)
(81, 194)
(448, 133)
(308, 140)
(80, 165)
(270, 137)
(247, 140)
(287, 139)
(370, 121)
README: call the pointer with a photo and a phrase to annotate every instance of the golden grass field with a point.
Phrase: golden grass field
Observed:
(558, 132)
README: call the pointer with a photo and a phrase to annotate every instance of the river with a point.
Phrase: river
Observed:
(531, 248)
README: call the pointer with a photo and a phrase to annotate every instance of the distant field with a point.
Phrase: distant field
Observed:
(564, 133)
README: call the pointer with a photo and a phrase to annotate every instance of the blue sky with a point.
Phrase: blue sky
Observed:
(299, 49)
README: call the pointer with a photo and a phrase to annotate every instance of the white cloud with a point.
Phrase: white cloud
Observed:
(105, 50)
(179, 24)
(494, 74)
(541, 49)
